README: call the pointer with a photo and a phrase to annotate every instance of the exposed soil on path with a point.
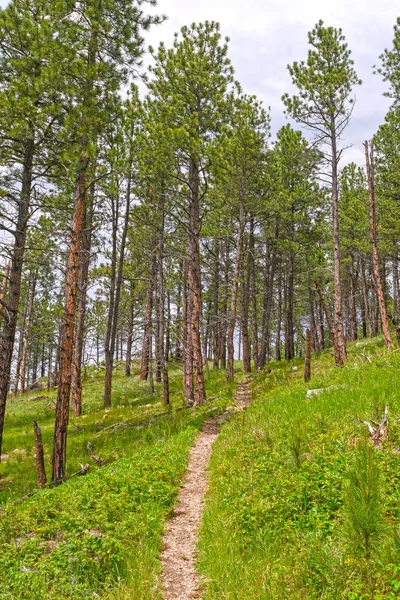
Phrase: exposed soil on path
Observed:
(180, 579)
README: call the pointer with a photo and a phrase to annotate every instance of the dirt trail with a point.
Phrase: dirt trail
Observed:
(180, 579)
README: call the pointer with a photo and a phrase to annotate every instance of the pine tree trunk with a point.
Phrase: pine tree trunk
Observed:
(4, 286)
(395, 265)
(161, 303)
(118, 287)
(194, 279)
(268, 297)
(144, 369)
(26, 332)
(76, 367)
(224, 315)
(187, 340)
(253, 294)
(66, 346)
(216, 325)
(40, 468)
(307, 361)
(328, 318)
(340, 353)
(244, 316)
(369, 156)
(10, 310)
(289, 329)
(234, 297)
(129, 338)
(278, 319)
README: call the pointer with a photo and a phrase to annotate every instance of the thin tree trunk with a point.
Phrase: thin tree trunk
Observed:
(216, 325)
(268, 297)
(4, 286)
(76, 367)
(307, 361)
(278, 318)
(369, 157)
(187, 340)
(10, 307)
(244, 316)
(194, 279)
(395, 265)
(224, 322)
(253, 293)
(161, 303)
(118, 286)
(26, 332)
(40, 468)
(234, 296)
(144, 369)
(327, 316)
(129, 338)
(66, 347)
(340, 353)
(289, 338)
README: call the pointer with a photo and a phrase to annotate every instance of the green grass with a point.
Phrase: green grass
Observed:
(98, 535)
(278, 523)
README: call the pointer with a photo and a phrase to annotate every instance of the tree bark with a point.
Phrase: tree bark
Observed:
(307, 360)
(234, 296)
(118, 285)
(194, 279)
(129, 337)
(369, 157)
(27, 328)
(40, 468)
(10, 307)
(328, 319)
(66, 347)
(187, 340)
(144, 369)
(244, 316)
(4, 286)
(340, 354)
(253, 293)
(76, 367)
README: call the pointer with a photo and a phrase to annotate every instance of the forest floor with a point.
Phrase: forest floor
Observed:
(296, 504)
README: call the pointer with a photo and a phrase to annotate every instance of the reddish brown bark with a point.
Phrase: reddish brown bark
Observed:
(369, 158)
(67, 339)
(76, 367)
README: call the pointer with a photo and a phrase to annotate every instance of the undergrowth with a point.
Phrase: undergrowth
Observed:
(97, 535)
(299, 505)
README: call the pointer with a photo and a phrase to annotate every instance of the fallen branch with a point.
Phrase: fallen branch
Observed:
(380, 431)
(97, 459)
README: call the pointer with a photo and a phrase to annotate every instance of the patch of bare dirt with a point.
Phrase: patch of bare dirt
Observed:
(180, 580)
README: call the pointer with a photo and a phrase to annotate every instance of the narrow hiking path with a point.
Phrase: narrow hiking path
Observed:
(180, 579)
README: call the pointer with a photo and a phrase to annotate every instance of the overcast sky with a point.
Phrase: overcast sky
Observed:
(266, 35)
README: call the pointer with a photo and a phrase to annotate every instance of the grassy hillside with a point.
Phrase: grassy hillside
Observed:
(97, 535)
(300, 505)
